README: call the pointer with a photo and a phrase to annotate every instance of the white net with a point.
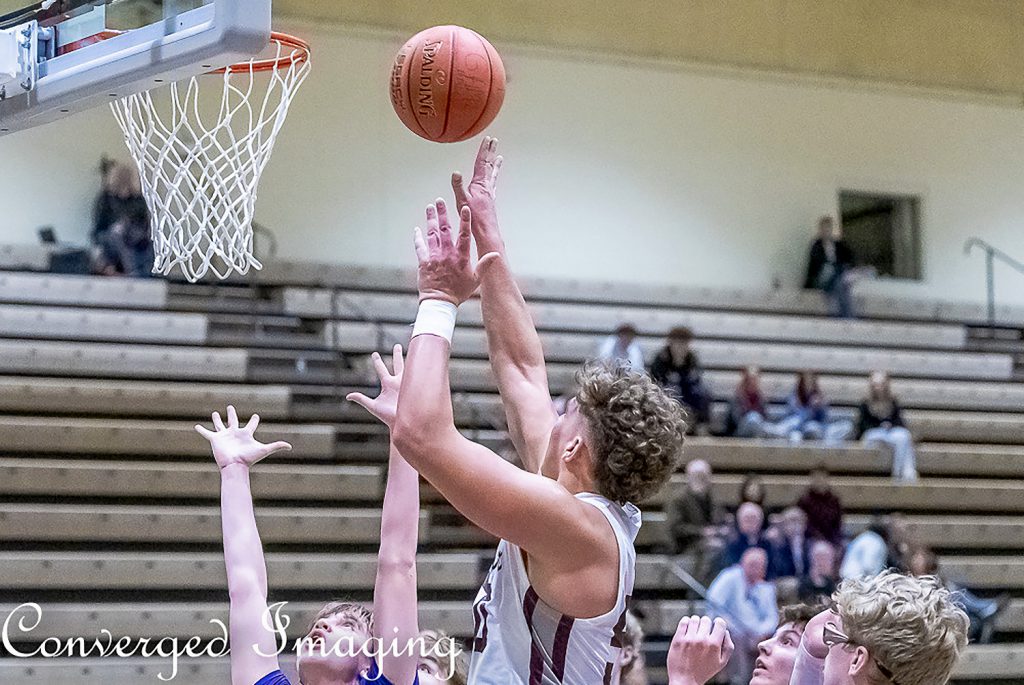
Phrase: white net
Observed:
(200, 171)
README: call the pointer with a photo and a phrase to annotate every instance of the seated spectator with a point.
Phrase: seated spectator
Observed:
(982, 612)
(792, 545)
(748, 417)
(677, 369)
(830, 267)
(881, 422)
(623, 347)
(808, 414)
(867, 554)
(823, 508)
(121, 229)
(749, 532)
(820, 582)
(752, 490)
(694, 519)
(742, 597)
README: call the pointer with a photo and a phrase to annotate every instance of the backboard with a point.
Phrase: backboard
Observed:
(58, 57)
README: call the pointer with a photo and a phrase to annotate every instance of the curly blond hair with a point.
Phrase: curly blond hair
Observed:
(635, 430)
(911, 625)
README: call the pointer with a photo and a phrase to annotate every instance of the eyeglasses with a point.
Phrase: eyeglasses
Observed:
(833, 637)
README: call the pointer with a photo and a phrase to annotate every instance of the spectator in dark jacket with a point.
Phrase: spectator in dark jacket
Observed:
(820, 581)
(695, 520)
(677, 369)
(793, 546)
(749, 532)
(823, 508)
(830, 266)
(881, 422)
(749, 411)
(121, 226)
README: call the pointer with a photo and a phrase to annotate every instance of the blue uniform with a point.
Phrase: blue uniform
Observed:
(373, 677)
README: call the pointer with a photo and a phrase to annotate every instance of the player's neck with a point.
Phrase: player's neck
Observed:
(575, 485)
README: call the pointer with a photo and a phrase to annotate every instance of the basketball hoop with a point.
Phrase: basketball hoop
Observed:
(200, 178)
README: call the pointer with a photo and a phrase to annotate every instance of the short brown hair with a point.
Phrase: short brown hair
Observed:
(356, 611)
(798, 614)
(680, 334)
(635, 434)
(431, 639)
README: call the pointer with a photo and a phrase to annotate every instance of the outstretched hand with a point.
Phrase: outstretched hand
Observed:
(700, 649)
(385, 405)
(445, 272)
(479, 196)
(237, 445)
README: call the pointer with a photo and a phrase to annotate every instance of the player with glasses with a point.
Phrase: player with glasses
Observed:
(892, 629)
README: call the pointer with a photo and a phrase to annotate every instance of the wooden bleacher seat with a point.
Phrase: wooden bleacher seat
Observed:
(103, 360)
(76, 323)
(80, 478)
(574, 347)
(26, 394)
(601, 319)
(82, 291)
(180, 524)
(61, 435)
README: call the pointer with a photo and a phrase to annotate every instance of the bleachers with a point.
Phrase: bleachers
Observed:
(109, 501)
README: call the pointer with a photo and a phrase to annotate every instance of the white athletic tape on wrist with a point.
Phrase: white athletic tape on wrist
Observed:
(435, 317)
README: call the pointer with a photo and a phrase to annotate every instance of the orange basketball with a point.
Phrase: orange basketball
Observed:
(447, 84)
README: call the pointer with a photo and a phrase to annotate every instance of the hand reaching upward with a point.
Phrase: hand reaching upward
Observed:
(237, 445)
(445, 272)
(479, 196)
(385, 405)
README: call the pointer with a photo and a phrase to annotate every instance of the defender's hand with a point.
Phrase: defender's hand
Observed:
(700, 650)
(235, 445)
(385, 406)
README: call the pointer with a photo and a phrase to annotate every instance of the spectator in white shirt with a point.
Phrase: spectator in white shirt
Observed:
(867, 554)
(623, 346)
(747, 602)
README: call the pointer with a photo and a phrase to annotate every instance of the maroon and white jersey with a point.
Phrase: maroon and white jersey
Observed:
(520, 640)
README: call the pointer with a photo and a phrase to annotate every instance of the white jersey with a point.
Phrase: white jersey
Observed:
(520, 640)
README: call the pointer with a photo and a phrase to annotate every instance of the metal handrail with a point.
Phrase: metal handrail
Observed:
(676, 568)
(991, 253)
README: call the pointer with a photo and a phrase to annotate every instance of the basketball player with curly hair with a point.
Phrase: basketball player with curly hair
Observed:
(553, 606)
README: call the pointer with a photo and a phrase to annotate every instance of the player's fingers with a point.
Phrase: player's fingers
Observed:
(217, 423)
(684, 623)
(397, 360)
(719, 630)
(493, 146)
(379, 366)
(480, 168)
(487, 261)
(465, 241)
(232, 417)
(443, 222)
(422, 253)
(275, 447)
(360, 399)
(727, 648)
(704, 627)
(208, 434)
(253, 423)
(692, 626)
(433, 231)
(494, 173)
(461, 200)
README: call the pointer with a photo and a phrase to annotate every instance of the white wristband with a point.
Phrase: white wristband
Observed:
(435, 317)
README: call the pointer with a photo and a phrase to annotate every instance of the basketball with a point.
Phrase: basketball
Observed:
(447, 84)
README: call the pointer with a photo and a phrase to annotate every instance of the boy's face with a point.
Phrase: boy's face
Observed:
(776, 656)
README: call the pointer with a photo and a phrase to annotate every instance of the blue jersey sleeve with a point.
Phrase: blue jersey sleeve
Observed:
(275, 678)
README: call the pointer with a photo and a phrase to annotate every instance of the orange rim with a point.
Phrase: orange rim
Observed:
(297, 51)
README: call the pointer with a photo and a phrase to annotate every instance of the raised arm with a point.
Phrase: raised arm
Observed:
(529, 510)
(513, 346)
(395, 613)
(236, 451)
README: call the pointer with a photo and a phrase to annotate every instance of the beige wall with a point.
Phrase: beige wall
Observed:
(616, 170)
(974, 45)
